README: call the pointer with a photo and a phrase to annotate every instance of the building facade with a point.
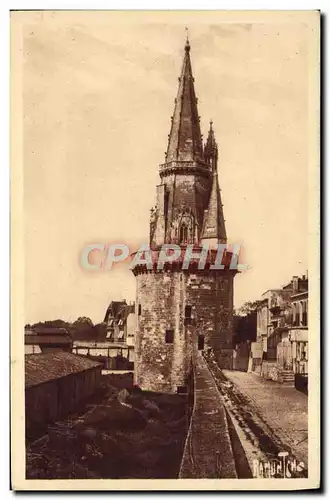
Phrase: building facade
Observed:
(116, 349)
(262, 323)
(282, 330)
(298, 332)
(116, 321)
(177, 308)
(278, 305)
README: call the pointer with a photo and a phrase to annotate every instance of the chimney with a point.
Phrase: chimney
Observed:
(295, 283)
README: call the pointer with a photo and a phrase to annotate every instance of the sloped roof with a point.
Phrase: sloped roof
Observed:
(119, 310)
(214, 223)
(50, 330)
(47, 339)
(42, 368)
(114, 309)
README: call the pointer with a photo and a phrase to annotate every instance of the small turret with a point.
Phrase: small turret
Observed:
(214, 230)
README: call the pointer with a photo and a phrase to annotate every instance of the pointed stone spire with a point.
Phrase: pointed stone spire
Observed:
(185, 139)
(214, 229)
(211, 149)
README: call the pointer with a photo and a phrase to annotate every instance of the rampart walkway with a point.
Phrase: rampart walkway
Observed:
(208, 452)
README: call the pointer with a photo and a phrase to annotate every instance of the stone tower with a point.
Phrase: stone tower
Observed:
(179, 308)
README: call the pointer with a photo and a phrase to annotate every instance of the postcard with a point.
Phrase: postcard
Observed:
(165, 239)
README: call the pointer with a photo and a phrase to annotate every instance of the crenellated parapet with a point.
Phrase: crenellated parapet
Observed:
(190, 260)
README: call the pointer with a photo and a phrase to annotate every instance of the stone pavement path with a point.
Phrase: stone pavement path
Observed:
(208, 452)
(283, 408)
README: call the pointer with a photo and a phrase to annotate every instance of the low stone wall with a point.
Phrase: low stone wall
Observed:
(208, 452)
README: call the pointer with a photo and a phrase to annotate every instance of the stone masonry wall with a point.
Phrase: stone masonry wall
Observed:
(156, 362)
(161, 299)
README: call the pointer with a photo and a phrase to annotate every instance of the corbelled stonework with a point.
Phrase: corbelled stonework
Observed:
(181, 309)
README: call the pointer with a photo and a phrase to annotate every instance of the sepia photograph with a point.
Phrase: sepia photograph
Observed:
(165, 250)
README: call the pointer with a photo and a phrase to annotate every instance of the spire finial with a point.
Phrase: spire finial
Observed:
(211, 124)
(187, 46)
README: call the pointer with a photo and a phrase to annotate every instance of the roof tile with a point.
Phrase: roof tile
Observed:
(42, 368)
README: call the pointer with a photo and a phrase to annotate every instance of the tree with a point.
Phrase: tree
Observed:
(83, 320)
(82, 329)
(245, 327)
(54, 323)
(248, 308)
(100, 331)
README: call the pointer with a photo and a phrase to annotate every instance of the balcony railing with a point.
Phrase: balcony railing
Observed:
(275, 310)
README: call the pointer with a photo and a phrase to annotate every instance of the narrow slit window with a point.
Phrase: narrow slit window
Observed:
(169, 336)
(187, 315)
(139, 310)
(201, 342)
(187, 312)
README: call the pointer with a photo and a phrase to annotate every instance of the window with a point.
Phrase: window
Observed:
(187, 312)
(183, 236)
(139, 310)
(296, 314)
(306, 350)
(169, 336)
(304, 313)
(187, 315)
(200, 342)
(110, 335)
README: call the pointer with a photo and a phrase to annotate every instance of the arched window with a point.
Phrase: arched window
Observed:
(183, 235)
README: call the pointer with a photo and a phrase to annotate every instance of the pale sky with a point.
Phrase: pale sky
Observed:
(98, 97)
